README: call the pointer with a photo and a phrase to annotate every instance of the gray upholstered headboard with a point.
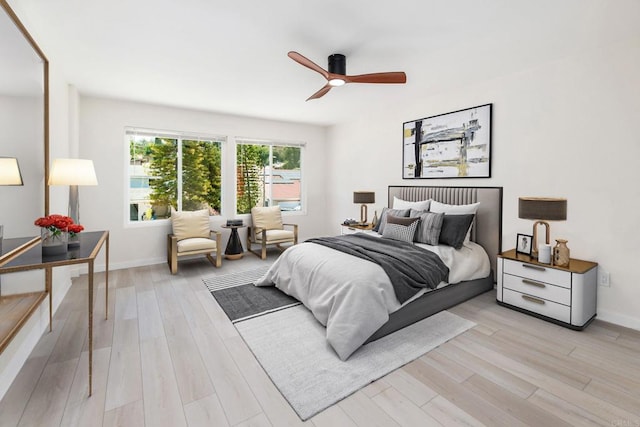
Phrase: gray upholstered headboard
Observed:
(487, 229)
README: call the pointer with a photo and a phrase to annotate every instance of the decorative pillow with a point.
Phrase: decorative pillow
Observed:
(188, 224)
(383, 217)
(455, 210)
(405, 204)
(268, 218)
(454, 229)
(398, 228)
(429, 228)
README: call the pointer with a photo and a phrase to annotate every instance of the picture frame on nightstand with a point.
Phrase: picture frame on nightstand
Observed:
(524, 244)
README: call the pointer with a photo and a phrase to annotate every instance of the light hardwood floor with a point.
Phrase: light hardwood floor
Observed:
(168, 356)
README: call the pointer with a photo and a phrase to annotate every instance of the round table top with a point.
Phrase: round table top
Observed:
(233, 226)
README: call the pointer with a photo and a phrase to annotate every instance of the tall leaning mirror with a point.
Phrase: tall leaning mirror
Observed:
(23, 125)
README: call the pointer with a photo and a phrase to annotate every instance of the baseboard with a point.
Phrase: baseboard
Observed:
(619, 319)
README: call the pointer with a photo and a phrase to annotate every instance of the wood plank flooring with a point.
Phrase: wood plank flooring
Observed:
(168, 356)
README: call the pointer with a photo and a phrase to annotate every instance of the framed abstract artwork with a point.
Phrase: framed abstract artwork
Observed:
(451, 145)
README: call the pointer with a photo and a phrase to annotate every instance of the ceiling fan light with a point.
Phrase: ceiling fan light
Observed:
(336, 82)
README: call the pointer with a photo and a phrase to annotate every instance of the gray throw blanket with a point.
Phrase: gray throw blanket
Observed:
(409, 267)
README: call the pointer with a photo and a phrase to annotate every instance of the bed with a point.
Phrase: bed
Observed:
(355, 299)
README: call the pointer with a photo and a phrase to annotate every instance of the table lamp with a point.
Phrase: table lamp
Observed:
(73, 172)
(541, 209)
(364, 197)
(10, 171)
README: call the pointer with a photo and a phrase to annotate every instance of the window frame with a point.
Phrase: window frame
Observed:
(180, 137)
(271, 143)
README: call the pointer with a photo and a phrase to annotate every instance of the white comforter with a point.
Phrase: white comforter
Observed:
(353, 297)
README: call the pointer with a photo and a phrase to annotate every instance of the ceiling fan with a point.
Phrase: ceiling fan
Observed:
(337, 74)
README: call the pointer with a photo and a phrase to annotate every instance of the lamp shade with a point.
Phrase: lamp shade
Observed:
(10, 171)
(542, 208)
(72, 172)
(364, 197)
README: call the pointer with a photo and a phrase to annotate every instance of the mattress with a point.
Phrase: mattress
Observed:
(353, 297)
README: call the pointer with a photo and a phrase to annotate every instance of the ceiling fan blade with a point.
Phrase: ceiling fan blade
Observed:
(308, 63)
(322, 92)
(393, 77)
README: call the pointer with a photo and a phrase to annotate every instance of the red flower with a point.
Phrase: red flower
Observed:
(57, 222)
(75, 228)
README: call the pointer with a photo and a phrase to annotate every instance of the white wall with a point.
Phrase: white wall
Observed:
(562, 129)
(102, 125)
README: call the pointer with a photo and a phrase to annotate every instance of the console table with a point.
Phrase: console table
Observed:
(24, 254)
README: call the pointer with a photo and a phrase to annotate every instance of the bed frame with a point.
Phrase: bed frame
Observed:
(486, 231)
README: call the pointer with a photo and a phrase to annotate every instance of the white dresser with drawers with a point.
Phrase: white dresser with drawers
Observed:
(563, 295)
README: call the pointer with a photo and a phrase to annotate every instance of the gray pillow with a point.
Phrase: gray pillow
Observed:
(454, 229)
(383, 217)
(398, 228)
(429, 228)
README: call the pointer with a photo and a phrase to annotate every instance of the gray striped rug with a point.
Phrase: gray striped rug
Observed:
(231, 280)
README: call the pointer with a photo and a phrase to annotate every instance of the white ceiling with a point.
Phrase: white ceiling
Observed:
(231, 56)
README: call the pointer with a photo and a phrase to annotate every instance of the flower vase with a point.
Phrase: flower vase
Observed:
(561, 253)
(74, 240)
(54, 242)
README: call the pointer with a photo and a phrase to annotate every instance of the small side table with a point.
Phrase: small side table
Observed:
(234, 248)
(566, 296)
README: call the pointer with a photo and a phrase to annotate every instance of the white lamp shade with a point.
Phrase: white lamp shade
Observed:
(72, 172)
(10, 171)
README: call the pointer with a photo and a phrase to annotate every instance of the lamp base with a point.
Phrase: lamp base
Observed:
(74, 204)
(534, 243)
(363, 214)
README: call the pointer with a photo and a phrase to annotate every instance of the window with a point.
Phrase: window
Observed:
(170, 169)
(268, 174)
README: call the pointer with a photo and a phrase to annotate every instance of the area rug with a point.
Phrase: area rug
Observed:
(290, 345)
(230, 280)
(241, 300)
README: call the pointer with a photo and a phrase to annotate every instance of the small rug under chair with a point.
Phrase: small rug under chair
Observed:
(290, 345)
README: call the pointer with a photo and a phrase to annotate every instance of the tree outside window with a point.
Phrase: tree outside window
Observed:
(268, 175)
(165, 171)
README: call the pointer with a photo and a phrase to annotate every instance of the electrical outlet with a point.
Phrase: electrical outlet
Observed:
(603, 278)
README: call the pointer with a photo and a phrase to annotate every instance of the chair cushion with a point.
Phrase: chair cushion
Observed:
(196, 244)
(276, 235)
(188, 224)
(268, 218)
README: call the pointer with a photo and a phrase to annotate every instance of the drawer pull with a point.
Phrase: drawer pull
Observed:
(532, 299)
(534, 267)
(531, 282)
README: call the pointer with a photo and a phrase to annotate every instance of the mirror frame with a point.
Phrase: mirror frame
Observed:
(45, 66)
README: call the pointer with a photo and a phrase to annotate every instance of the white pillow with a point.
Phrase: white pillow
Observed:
(422, 205)
(268, 218)
(446, 209)
(188, 224)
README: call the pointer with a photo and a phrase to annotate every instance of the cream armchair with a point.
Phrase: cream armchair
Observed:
(192, 236)
(268, 229)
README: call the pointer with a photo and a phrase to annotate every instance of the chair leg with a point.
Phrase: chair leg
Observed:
(172, 253)
(217, 261)
(219, 250)
(174, 264)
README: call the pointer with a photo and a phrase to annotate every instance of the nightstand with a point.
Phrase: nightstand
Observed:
(354, 228)
(562, 295)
